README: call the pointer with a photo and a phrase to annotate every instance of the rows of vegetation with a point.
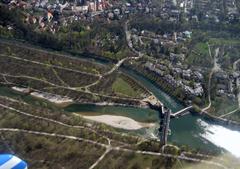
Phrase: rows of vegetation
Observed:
(118, 84)
(57, 74)
(32, 53)
(127, 86)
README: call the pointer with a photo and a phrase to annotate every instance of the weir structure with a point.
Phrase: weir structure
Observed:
(164, 124)
(165, 115)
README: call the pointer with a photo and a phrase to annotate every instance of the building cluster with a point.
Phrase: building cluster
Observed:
(85, 6)
(170, 67)
(214, 10)
(51, 15)
(227, 83)
(161, 42)
(190, 81)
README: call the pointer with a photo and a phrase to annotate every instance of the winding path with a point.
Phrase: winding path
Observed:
(238, 81)
(215, 68)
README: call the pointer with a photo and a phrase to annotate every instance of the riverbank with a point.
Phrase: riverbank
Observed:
(117, 121)
(220, 121)
(57, 99)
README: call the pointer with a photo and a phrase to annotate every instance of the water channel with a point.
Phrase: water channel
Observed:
(191, 130)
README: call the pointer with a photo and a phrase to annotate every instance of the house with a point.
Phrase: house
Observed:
(187, 74)
(49, 16)
(83, 9)
(187, 34)
(198, 76)
(117, 11)
(175, 57)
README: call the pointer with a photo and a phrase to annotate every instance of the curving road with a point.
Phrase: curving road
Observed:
(215, 68)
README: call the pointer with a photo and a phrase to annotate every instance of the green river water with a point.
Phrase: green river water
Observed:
(191, 130)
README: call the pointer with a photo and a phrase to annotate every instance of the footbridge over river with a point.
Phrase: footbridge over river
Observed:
(156, 104)
(181, 112)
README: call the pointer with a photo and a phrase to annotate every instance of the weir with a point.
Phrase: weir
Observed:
(164, 124)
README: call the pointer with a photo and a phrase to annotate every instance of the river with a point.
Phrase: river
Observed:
(191, 130)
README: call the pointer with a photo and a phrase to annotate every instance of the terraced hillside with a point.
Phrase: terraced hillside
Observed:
(78, 79)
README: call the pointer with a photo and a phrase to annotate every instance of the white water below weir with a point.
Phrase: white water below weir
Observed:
(222, 137)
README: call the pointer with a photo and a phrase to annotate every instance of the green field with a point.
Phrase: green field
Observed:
(223, 105)
(199, 55)
(122, 87)
(221, 41)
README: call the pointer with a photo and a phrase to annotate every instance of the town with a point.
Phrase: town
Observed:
(48, 15)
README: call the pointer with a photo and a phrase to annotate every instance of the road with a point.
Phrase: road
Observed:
(234, 111)
(238, 81)
(101, 158)
(235, 64)
(214, 69)
(128, 39)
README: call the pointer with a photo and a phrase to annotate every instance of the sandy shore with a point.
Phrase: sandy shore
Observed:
(21, 89)
(118, 121)
(52, 98)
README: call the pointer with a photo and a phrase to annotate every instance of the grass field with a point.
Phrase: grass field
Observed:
(224, 105)
(221, 41)
(122, 87)
(199, 55)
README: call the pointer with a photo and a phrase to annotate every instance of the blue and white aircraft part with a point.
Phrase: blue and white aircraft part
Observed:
(8, 161)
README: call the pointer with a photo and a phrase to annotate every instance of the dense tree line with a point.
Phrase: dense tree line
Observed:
(160, 26)
(73, 37)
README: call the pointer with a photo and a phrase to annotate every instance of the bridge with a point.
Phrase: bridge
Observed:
(181, 112)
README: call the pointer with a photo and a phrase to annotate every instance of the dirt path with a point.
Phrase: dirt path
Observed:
(238, 81)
